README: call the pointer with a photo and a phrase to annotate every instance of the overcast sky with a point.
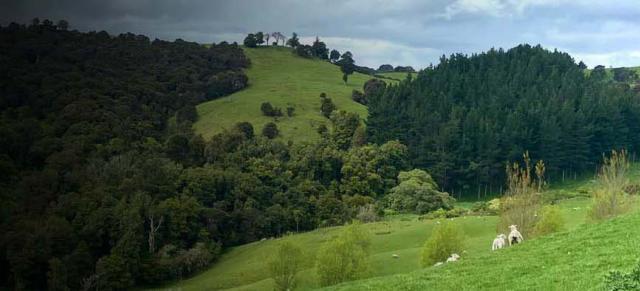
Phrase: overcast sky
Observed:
(399, 32)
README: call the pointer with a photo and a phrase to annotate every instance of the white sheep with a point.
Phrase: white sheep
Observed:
(515, 237)
(395, 256)
(499, 242)
(454, 257)
(438, 264)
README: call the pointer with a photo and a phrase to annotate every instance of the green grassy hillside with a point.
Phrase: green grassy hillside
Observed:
(545, 263)
(284, 79)
(244, 267)
(572, 260)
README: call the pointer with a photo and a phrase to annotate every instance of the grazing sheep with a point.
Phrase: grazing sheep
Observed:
(515, 237)
(454, 257)
(438, 264)
(395, 256)
(499, 242)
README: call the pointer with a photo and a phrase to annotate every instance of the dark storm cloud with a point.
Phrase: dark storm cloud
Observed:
(408, 32)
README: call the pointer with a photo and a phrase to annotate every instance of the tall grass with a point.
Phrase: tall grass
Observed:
(522, 201)
(609, 198)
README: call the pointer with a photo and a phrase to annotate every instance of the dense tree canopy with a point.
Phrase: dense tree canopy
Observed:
(104, 185)
(465, 117)
(90, 162)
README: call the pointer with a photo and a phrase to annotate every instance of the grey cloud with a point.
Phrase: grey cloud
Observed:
(603, 32)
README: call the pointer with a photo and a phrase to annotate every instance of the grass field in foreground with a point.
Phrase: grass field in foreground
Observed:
(278, 76)
(244, 267)
(571, 260)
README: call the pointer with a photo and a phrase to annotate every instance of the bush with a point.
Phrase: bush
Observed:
(344, 257)
(610, 199)
(290, 111)
(327, 106)
(225, 83)
(359, 97)
(618, 281)
(456, 212)
(374, 87)
(523, 200)
(250, 40)
(445, 239)
(367, 213)
(417, 192)
(550, 221)
(440, 213)
(304, 51)
(246, 128)
(285, 264)
(270, 130)
(269, 110)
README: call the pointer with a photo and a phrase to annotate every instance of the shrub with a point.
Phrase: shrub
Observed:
(550, 221)
(609, 198)
(285, 264)
(269, 110)
(445, 239)
(522, 201)
(417, 192)
(359, 97)
(618, 281)
(270, 130)
(290, 111)
(367, 213)
(440, 213)
(344, 257)
(250, 40)
(456, 212)
(327, 106)
(304, 51)
(246, 128)
(225, 83)
(374, 87)
(486, 208)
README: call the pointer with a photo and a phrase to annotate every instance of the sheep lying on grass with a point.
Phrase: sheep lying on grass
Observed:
(499, 242)
(454, 257)
(515, 237)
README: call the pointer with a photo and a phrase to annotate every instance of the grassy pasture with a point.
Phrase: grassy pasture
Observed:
(278, 76)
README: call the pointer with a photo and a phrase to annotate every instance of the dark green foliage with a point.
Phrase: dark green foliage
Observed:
(347, 65)
(407, 69)
(304, 51)
(418, 193)
(270, 130)
(225, 83)
(86, 155)
(619, 281)
(293, 42)
(98, 192)
(582, 65)
(319, 49)
(374, 87)
(326, 106)
(334, 56)
(187, 114)
(290, 111)
(250, 40)
(464, 118)
(385, 68)
(259, 38)
(269, 110)
(358, 96)
(246, 128)
(624, 75)
(344, 126)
